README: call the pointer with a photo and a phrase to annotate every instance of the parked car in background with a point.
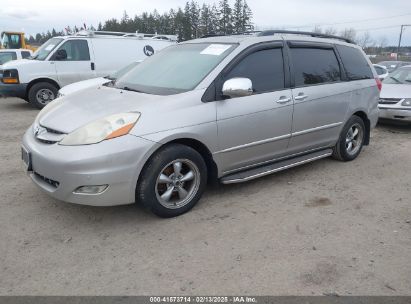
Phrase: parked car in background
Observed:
(7, 55)
(381, 71)
(230, 108)
(395, 97)
(391, 66)
(68, 59)
(95, 82)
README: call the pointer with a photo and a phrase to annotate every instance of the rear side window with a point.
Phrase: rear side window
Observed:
(264, 68)
(77, 50)
(314, 66)
(25, 54)
(354, 63)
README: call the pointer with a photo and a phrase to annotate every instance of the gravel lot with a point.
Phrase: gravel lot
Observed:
(326, 227)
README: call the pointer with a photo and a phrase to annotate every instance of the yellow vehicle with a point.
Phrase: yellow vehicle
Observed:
(14, 40)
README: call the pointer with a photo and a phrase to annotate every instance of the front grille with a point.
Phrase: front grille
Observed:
(47, 180)
(47, 135)
(48, 142)
(389, 100)
(53, 131)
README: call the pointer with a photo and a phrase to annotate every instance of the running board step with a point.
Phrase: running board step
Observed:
(254, 173)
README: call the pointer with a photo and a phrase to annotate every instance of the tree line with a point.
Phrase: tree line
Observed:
(187, 23)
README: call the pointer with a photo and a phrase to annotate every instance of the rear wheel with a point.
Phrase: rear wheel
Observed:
(172, 181)
(351, 140)
(40, 94)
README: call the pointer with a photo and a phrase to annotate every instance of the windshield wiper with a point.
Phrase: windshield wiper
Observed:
(130, 89)
(395, 79)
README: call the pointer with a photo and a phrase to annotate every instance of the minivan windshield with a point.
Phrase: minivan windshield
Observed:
(400, 76)
(176, 69)
(43, 51)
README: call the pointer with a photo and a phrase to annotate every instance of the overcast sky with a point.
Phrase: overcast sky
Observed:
(381, 18)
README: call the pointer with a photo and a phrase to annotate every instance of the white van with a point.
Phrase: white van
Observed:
(67, 59)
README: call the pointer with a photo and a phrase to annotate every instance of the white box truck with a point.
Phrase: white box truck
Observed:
(68, 59)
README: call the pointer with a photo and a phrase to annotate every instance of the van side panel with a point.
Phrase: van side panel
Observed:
(114, 53)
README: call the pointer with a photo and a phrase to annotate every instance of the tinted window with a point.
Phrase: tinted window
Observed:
(25, 54)
(354, 63)
(265, 69)
(77, 50)
(7, 56)
(380, 71)
(314, 66)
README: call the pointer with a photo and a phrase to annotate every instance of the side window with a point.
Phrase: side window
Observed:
(314, 66)
(77, 50)
(354, 63)
(7, 56)
(25, 54)
(264, 68)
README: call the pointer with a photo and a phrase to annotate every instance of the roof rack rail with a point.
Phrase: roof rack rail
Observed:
(233, 34)
(312, 34)
(90, 33)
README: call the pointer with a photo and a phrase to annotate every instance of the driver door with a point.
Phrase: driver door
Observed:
(256, 128)
(78, 64)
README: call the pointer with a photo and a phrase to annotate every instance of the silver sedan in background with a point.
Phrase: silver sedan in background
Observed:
(395, 96)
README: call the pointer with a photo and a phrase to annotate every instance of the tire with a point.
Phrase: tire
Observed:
(172, 181)
(351, 140)
(40, 94)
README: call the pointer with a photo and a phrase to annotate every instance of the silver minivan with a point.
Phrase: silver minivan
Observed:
(227, 109)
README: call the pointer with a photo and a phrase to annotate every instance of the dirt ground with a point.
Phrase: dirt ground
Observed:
(323, 228)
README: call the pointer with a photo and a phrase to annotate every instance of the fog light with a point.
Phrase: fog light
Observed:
(91, 189)
(406, 103)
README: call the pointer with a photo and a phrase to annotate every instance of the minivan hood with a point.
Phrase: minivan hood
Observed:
(85, 106)
(395, 90)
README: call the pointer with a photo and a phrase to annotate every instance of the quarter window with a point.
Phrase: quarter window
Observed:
(315, 66)
(25, 54)
(77, 50)
(264, 68)
(354, 63)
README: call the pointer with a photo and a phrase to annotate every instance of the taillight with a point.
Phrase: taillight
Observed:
(379, 83)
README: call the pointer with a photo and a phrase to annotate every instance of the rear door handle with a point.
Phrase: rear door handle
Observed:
(300, 96)
(93, 66)
(284, 99)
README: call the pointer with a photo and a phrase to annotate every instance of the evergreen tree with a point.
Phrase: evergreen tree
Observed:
(247, 17)
(187, 23)
(187, 29)
(224, 14)
(194, 18)
(238, 19)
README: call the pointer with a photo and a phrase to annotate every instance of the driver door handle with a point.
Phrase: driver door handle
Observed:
(284, 99)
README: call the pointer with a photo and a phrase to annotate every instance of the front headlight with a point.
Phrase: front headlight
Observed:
(107, 128)
(406, 102)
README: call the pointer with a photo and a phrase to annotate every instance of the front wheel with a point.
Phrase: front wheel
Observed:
(351, 140)
(40, 94)
(172, 181)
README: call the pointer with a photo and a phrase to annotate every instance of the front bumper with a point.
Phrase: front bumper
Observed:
(397, 113)
(116, 162)
(13, 90)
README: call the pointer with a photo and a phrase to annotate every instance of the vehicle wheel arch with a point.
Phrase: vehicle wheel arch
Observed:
(367, 123)
(197, 145)
(43, 79)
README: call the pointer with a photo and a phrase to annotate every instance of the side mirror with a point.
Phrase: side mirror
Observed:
(60, 55)
(237, 87)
